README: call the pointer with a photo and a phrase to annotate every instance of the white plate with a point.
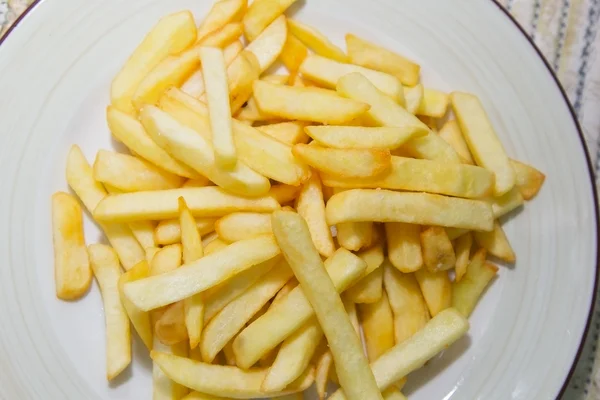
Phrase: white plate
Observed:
(55, 70)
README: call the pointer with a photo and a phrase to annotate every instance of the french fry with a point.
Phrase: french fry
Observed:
(434, 103)
(269, 44)
(132, 134)
(289, 133)
(438, 253)
(350, 307)
(170, 35)
(139, 319)
(261, 13)
(221, 13)
(378, 326)
(402, 359)
(293, 236)
(451, 133)
(322, 368)
(327, 72)
(166, 259)
(360, 137)
(80, 178)
(373, 256)
(107, 271)
(413, 97)
(369, 289)
(285, 290)
(485, 146)
(311, 207)
(150, 253)
(164, 388)
(410, 174)
(230, 320)
(223, 37)
(72, 272)
(375, 57)
(415, 208)
(228, 353)
(207, 201)
(462, 249)
(496, 243)
(169, 231)
(239, 226)
(345, 163)
(506, 203)
(293, 53)
(306, 104)
(144, 233)
(214, 246)
(354, 235)
(157, 291)
(170, 328)
(529, 179)
(404, 246)
(316, 41)
(407, 303)
(467, 292)
(436, 288)
(281, 321)
(223, 380)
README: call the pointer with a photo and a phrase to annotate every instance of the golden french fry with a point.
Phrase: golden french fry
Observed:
(107, 271)
(467, 292)
(221, 13)
(293, 53)
(316, 41)
(169, 231)
(378, 326)
(306, 104)
(240, 226)
(289, 133)
(415, 208)
(164, 388)
(436, 288)
(139, 319)
(413, 97)
(354, 235)
(434, 103)
(485, 146)
(157, 291)
(407, 303)
(170, 35)
(293, 236)
(322, 368)
(80, 178)
(369, 289)
(170, 328)
(261, 13)
(529, 179)
(345, 163)
(344, 268)
(496, 243)
(209, 201)
(130, 174)
(438, 253)
(410, 174)
(451, 133)
(268, 45)
(223, 380)
(404, 246)
(311, 207)
(370, 55)
(360, 137)
(327, 73)
(462, 248)
(439, 333)
(228, 353)
(233, 317)
(72, 272)
(223, 37)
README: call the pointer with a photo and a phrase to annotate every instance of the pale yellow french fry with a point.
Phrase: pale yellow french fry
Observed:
(438, 253)
(322, 368)
(240, 226)
(223, 380)
(170, 328)
(72, 272)
(209, 271)
(485, 146)
(404, 246)
(150, 253)
(107, 271)
(285, 290)
(467, 292)
(344, 268)
(496, 243)
(436, 288)
(354, 235)
(289, 133)
(369, 55)
(413, 97)
(434, 103)
(293, 53)
(80, 178)
(261, 13)
(311, 207)
(164, 388)
(451, 133)
(221, 13)
(404, 358)
(416, 208)
(462, 249)
(166, 259)
(268, 45)
(327, 72)
(360, 137)
(345, 163)
(529, 179)
(407, 302)
(410, 174)
(230, 320)
(373, 256)
(144, 233)
(209, 201)
(228, 353)
(378, 326)
(223, 37)
(293, 236)
(132, 134)
(316, 41)
(215, 245)
(198, 182)
(169, 231)
(139, 319)
(369, 289)
(169, 36)
(306, 104)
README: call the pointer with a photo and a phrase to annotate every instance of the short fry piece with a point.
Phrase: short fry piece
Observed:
(529, 179)
(360, 137)
(139, 319)
(311, 207)
(169, 231)
(404, 246)
(72, 272)
(170, 328)
(316, 41)
(355, 235)
(496, 243)
(413, 97)
(369, 289)
(373, 256)
(378, 326)
(166, 259)
(240, 226)
(324, 364)
(436, 288)
(261, 13)
(434, 103)
(221, 13)
(466, 293)
(462, 249)
(451, 133)
(438, 253)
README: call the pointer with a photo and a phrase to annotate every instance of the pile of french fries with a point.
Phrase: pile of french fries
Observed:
(271, 231)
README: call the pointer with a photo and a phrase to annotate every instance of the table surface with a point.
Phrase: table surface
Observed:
(565, 31)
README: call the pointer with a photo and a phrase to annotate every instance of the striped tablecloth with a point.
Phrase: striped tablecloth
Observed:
(565, 31)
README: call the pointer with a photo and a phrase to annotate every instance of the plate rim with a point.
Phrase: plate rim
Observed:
(586, 151)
